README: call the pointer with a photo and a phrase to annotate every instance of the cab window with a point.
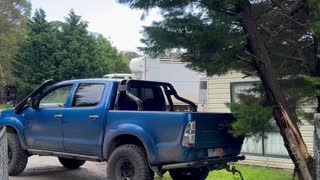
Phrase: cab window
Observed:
(57, 98)
(88, 95)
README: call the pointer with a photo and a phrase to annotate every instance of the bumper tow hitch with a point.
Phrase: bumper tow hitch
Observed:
(233, 170)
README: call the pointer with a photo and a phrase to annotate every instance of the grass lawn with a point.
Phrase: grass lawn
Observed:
(248, 173)
(4, 106)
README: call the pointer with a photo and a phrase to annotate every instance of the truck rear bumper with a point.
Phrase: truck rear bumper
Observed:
(202, 163)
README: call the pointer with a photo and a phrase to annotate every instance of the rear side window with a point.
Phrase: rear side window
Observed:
(144, 93)
(147, 93)
(151, 97)
(88, 95)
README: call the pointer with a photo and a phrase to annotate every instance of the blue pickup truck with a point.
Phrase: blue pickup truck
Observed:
(131, 124)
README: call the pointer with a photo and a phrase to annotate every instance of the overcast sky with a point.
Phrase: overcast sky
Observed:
(115, 21)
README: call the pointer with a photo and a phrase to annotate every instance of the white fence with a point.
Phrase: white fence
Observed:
(3, 155)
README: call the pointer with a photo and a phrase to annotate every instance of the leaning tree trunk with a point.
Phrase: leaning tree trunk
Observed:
(291, 135)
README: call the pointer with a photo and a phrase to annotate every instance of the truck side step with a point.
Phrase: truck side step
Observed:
(64, 155)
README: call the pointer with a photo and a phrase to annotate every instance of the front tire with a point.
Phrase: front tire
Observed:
(189, 174)
(18, 158)
(71, 163)
(128, 162)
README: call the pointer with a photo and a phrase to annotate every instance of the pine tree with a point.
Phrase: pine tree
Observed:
(84, 54)
(35, 60)
(110, 58)
(63, 51)
(77, 51)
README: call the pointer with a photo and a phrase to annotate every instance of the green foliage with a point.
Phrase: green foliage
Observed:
(1, 76)
(13, 19)
(34, 61)
(77, 50)
(253, 116)
(314, 21)
(314, 81)
(4, 106)
(211, 39)
(314, 24)
(211, 35)
(62, 51)
(314, 13)
(206, 43)
(110, 58)
(254, 112)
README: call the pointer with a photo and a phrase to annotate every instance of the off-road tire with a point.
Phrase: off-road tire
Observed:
(189, 174)
(71, 163)
(18, 158)
(137, 160)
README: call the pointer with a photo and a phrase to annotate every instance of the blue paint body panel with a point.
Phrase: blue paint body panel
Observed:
(160, 132)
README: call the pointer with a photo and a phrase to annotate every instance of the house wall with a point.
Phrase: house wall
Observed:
(219, 93)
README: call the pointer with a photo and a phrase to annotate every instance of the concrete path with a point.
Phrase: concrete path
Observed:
(49, 168)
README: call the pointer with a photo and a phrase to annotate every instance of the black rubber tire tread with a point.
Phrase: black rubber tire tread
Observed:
(136, 155)
(71, 163)
(20, 157)
(189, 174)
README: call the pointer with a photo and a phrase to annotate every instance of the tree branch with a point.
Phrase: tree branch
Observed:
(292, 20)
(254, 57)
(228, 12)
(250, 61)
(289, 57)
(307, 46)
(248, 74)
(265, 29)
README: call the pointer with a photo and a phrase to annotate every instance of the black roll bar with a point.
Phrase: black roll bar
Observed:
(125, 85)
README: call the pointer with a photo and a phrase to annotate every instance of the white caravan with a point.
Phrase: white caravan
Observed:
(118, 76)
(189, 84)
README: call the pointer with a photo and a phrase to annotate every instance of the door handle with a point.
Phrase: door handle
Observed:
(93, 117)
(58, 116)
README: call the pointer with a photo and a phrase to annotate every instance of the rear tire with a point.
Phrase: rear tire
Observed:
(18, 158)
(189, 174)
(71, 163)
(128, 162)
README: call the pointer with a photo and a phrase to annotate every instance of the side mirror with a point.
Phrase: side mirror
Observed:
(30, 102)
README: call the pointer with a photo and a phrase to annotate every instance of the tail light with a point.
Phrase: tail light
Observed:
(189, 135)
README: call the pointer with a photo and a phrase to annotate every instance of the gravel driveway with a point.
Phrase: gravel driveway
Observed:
(49, 168)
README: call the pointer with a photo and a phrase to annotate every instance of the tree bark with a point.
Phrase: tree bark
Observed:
(293, 141)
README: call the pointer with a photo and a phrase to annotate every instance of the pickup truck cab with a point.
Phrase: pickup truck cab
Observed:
(130, 124)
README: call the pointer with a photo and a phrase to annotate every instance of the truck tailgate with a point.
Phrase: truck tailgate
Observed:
(212, 131)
